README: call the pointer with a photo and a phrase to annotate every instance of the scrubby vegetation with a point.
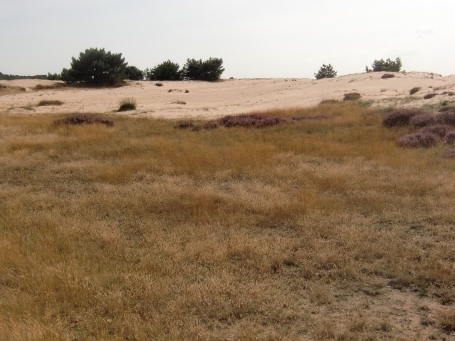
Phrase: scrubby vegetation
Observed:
(387, 75)
(312, 230)
(166, 71)
(352, 96)
(430, 95)
(133, 73)
(385, 65)
(79, 119)
(326, 71)
(126, 104)
(49, 102)
(208, 70)
(12, 77)
(417, 140)
(414, 90)
(401, 117)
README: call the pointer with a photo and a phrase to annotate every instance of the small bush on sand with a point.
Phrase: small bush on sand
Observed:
(179, 102)
(386, 65)
(78, 119)
(439, 130)
(400, 117)
(126, 104)
(414, 90)
(352, 96)
(49, 102)
(430, 95)
(449, 138)
(158, 84)
(388, 75)
(423, 120)
(448, 153)
(326, 71)
(417, 140)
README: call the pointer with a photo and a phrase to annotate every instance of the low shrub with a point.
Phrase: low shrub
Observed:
(326, 71)
(184, 125)
(447, 118)
(423, 120)
(252, 120)
(49, 102)
(439, 130)
(314, 117)
(430, 95)
(179, 102)
(448, 93)
(353, 96)
(447, 108)
(449, 138)
(78, 119)
(126, 104)
(329, 101)
(386, 65)
(448, 153)
(400, 117)
(415, 140)
(49, 86)
(414, 90)
(158, 84)
(387, 75)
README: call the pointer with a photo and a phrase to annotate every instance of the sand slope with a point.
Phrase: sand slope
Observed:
(226, 97)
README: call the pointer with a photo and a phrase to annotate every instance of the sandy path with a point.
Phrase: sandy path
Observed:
(227, 97)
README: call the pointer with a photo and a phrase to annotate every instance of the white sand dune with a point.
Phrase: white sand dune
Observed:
(235, 96)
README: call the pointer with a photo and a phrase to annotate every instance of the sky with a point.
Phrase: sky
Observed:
(255, 39)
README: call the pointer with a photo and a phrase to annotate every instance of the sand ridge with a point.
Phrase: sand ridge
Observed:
(227, 97)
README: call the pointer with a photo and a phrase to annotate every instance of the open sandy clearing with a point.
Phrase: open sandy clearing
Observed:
(204, 100)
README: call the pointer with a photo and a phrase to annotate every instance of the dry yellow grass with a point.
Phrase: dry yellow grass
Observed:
(315, 230)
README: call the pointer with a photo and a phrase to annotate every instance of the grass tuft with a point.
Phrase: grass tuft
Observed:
(126, 104)
(415, 90)
(430, 95)
(388, 75)
(353, 96)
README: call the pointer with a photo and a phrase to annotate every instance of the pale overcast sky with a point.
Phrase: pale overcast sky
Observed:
(287, 38)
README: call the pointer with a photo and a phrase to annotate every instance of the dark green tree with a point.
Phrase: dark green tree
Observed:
(385, 65)
(209, 70)
(326, 71)
(133, 73)
(166, 71)
(96, 66)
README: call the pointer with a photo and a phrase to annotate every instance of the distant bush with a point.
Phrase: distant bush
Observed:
(252, 120)
(326, 71)
(417, 140)
(400, 117)
(414, 90)
(158, 84)
(423, 120)
(96, 66)
(388, 75)
(166, 71)
(208, 70)
(134, 74)
(78, 119)
(353, 96)
(439, 130)
(49, 86)
(430, 95)
(49, 102)
(53, 77)
(449, 138)
(385, 65)
(449, 153)
(127, 104)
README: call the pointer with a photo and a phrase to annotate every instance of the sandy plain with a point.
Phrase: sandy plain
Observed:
(228, 97)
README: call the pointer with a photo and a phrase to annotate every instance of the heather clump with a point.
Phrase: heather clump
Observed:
(79, 119)
(439, 130)
(447, 108)
(211, 124)
(423, 120)
(414, 90)
(388, 75)
(184, 125)
(252, 120)
(447, 118)
(329, 101)
(400, 117)
(449, 137)
(415, 140)
(448, 153)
